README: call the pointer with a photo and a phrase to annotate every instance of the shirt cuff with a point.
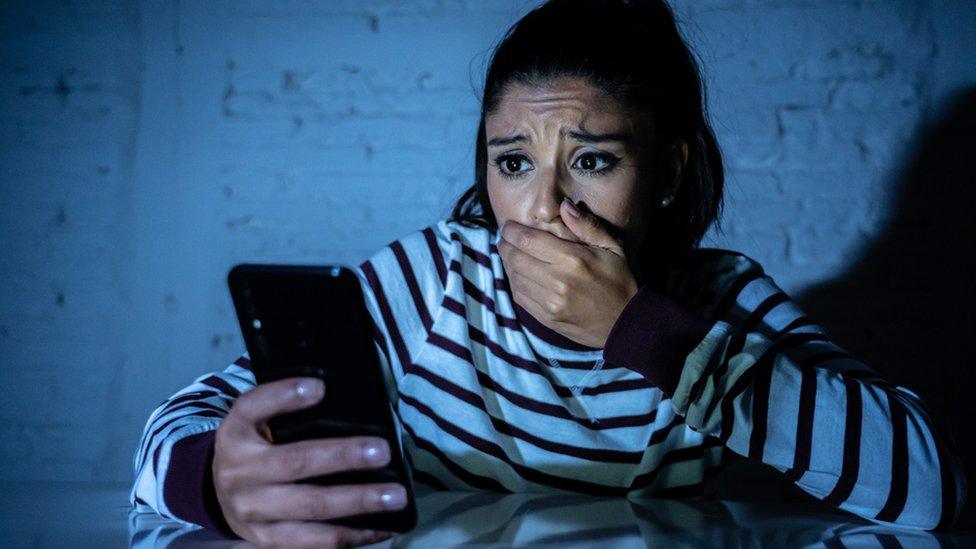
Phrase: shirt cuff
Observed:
(188, 489)
(653, 336)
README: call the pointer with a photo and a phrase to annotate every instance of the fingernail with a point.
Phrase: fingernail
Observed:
(572, 209)
(310, 388)
(377, 452)
(393, 498)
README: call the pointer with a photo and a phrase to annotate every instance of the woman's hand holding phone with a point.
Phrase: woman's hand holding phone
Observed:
(254, 478)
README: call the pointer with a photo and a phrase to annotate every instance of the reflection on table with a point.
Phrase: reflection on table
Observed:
(485, 518)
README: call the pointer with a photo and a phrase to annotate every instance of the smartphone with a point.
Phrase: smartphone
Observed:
(300, 320)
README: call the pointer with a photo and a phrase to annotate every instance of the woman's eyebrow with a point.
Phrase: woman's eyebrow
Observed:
(581, 136)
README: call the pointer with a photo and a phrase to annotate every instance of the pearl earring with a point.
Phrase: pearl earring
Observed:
(666, 200)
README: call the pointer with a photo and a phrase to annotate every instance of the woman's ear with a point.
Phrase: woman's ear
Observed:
(676, 162)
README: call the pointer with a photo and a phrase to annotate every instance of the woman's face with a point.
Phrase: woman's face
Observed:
(565, 140)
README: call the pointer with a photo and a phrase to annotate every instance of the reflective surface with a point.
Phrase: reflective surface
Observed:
(53, 515)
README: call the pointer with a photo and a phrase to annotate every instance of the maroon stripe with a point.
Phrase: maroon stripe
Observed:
(378, 338)
(435, 252)
(464, 353)
(408, 275)
(452, 347)
(757, 316)
(386, 312)
(501, 426)
(737, 342)
(689, 490)
(472, 479)
(203, 405)
(678, 455)
(221, 385)
(852, 445)
(546, 333)
(522, 319)
(243, 362)
(195, 395)
(804, 424)
(661, 434)
(430, 480)
(477, 256)
(460, 309)
(203, 413)
(760, 413)
(797, 322)
(492, 449)
(888, 541)
(534, 405)
(440, 341)
(943, 447)
(473, 291)
(765, 360)
(730, 296)
(498, 351)
(898, 493)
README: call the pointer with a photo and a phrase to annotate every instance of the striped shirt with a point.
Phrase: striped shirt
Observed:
(716, 359)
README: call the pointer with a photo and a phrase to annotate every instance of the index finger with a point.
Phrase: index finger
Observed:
(537, 242)
(267, 400)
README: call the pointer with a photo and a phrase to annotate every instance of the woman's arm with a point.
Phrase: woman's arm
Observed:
(172, 463)
(767, 381)
(174, 460)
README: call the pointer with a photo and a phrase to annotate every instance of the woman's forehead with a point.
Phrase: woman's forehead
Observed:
(568, 102)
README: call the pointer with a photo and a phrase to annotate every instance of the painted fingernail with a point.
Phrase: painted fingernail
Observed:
(393, 498)
(377, 452)
(310, 389)
(572, 209)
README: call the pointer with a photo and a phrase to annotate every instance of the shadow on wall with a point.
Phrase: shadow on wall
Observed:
(906, 306)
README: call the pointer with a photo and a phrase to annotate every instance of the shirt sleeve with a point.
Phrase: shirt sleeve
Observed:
(761, 376)
(173, 461)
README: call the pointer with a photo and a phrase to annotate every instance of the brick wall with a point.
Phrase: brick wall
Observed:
(148, 146)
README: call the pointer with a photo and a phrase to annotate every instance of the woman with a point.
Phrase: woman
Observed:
(564, 331)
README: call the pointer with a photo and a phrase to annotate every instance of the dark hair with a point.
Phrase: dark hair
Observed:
(632, 51)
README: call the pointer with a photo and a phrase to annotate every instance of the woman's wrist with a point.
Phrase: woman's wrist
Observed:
(652, 336)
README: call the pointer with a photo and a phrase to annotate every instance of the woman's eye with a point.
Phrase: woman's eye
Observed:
(596, 163)
(508, 165)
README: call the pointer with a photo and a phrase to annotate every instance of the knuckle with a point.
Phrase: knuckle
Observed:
(576, 262)
(245, 510)
(321, 505)
(223, 477)
(369, 499)
(350, 454)
(295, 462)
(560, 286)
(334, 538)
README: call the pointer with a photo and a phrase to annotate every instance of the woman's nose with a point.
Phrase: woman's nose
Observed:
(548, 196)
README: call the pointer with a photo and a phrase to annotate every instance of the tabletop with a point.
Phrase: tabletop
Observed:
(45, 514)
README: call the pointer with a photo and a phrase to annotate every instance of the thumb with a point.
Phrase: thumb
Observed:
(589, 227)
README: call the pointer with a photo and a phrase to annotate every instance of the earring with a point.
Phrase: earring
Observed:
(666, 200)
